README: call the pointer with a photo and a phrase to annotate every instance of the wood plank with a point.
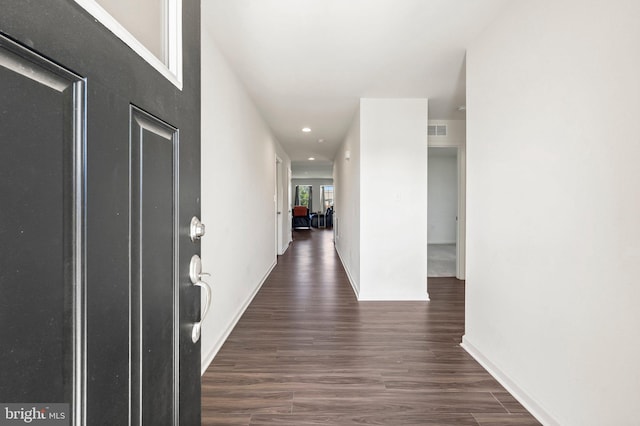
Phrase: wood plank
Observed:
(421, 419)
(306, 352)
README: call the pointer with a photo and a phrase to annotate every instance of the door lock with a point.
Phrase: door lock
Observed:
(197, 229)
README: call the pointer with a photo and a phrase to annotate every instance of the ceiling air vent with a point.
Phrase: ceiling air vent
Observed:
(437, 130)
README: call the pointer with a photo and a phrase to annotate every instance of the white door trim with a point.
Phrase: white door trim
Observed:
(279, 212)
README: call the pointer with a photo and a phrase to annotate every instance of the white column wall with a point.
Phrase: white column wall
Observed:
(393, 202)
(238, 196)
(553, 228)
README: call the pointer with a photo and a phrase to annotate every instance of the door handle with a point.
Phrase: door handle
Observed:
(195, 275)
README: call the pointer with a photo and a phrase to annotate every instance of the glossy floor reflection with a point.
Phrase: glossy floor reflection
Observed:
(306, 352)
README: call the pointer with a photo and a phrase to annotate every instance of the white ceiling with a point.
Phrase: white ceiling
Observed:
(308, 62)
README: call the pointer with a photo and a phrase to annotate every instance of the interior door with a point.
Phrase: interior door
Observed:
(99, 181)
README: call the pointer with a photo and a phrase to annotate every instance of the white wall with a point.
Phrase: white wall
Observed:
(443, 195)
(238, 196)
(346, 215)
(553, 225)
(393, 234)
(315, 184)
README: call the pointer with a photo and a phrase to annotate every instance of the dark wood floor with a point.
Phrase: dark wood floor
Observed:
(306, 352)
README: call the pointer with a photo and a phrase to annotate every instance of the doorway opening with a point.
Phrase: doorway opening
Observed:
(279, 208)
(442, 212)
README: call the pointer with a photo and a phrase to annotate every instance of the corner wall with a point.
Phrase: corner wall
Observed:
(380, 219)
(346, 216)
(238, 196)
(553, 229)
(393, 203)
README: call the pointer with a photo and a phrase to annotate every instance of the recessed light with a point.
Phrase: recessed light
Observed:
(311, 158)
(306, 129)
(320, 140)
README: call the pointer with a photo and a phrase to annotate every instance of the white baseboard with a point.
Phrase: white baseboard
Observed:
(284, 250)
(208, 359)
(286, 247)
(516, 391)
(351, 281)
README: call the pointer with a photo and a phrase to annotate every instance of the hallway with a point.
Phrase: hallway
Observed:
(307, 353)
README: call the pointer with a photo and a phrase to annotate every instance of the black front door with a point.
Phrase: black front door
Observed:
(99, 180)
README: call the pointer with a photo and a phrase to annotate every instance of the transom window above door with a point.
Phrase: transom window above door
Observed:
(152, 28)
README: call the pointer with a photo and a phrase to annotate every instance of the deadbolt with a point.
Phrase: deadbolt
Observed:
(197, 229)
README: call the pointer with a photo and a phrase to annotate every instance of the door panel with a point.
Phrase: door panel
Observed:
(154, 287)
(40, 228)
(82, 280)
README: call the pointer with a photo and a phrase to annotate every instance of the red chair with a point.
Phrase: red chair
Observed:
(301, 219)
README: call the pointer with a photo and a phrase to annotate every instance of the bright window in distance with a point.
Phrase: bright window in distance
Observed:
(326, 195)
(304, 191)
